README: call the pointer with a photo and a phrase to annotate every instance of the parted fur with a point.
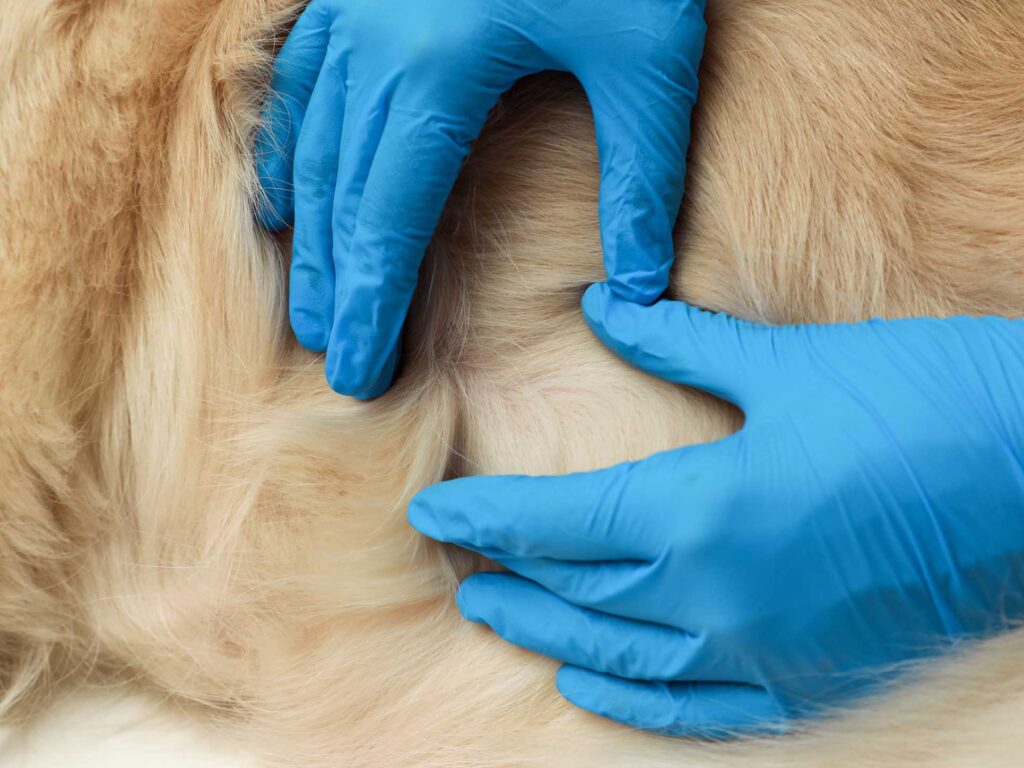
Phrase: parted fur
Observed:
(185, 504)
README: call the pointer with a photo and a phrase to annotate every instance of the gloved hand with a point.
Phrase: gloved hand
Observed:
(869, 512)
(377, 102)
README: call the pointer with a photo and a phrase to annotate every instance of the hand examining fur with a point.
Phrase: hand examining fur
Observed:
(374, 105)
(869, 513)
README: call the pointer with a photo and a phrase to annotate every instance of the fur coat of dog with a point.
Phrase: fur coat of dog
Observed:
(185, 504)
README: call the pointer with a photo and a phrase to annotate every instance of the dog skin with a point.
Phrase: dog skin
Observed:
(186, 505)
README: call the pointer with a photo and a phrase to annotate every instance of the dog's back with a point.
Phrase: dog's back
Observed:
(184, 501)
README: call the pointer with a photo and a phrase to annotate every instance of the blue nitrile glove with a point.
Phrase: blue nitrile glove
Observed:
(375, 103)
(870, 512)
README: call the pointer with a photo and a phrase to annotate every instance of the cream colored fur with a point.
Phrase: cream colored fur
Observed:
(184, 503)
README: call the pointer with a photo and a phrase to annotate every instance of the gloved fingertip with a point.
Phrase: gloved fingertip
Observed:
(607, 313)
(438, 512)
(573, 684)
(310, 330)
(354, 371)
(636, 231)
(595, 302)
(638, 705)
(468, 600)
(358, 391)
(638, 287)
(421, 516)
(348, 375)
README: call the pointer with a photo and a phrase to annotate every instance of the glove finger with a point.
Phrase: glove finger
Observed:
(584, 516)
(728, 357)
(642, 113)
(530, 616)
(363, 128)
(311, 288)
(385, 217)
(702, 710)
(613, 587)
(296, 71)
(702, 519)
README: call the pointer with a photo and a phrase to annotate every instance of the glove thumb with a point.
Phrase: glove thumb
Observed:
(714, 352)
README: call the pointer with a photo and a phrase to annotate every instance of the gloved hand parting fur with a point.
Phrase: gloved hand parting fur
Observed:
(374, 105)
(869, 512)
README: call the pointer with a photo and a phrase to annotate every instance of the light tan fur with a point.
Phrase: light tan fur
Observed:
(184, 503)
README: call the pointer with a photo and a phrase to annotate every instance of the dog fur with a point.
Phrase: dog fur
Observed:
(185, 504)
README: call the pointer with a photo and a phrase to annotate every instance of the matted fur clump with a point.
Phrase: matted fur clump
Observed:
(184, 503)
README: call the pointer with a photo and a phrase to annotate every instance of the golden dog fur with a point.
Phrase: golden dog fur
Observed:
(183, 503)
